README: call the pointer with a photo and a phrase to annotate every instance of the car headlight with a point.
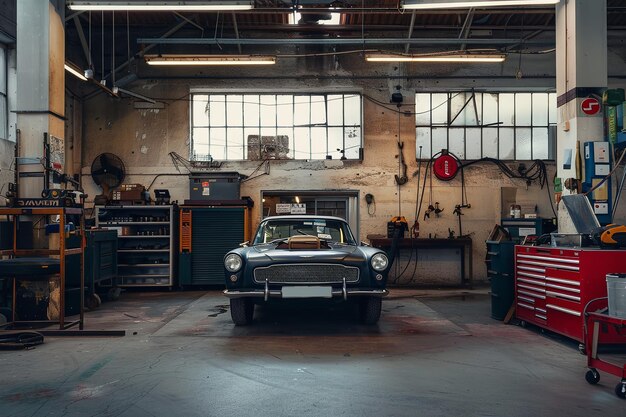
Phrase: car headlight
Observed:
(379, 262)
(233, 262)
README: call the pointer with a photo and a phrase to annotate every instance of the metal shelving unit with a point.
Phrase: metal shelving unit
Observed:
(146, 243)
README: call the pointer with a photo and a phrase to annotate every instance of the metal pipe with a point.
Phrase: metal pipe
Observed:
(411, 26)
(337, 41)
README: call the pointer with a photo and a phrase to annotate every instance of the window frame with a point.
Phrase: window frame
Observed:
(497, 127)
(293, 153)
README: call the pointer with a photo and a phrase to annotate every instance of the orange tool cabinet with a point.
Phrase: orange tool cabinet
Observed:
(553, 286)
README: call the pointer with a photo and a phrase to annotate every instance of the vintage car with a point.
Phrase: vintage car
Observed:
(305, 257)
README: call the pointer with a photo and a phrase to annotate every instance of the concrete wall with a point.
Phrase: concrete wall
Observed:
(143, 139)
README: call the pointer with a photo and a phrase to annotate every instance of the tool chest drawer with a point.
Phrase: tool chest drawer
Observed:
(553, 285)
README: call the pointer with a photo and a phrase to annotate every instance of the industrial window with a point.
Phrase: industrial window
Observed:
(275, 126)
(474, 125)
(4, 112)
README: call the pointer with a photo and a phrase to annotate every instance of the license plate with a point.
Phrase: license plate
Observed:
(307, 292)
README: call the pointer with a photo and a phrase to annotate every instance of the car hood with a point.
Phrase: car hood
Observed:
(336, 253)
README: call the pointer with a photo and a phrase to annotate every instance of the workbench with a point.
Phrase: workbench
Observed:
(462, 243)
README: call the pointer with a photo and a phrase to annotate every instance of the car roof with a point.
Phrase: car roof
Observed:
(303, 217)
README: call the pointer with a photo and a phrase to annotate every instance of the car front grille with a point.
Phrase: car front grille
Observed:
(306, 274)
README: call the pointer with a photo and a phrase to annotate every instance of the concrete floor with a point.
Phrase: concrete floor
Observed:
(434, 353)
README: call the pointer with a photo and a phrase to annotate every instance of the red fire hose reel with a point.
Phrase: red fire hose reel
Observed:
(445, 167)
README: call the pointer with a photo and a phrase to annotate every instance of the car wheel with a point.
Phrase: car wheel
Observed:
(370, 308)
(241, 311)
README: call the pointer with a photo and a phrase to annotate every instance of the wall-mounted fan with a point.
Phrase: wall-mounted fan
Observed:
(107, 170)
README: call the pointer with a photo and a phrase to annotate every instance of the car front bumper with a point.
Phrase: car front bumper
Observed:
(343, 292)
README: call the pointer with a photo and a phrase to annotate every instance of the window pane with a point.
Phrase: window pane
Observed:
(523, 109)
(302, 115)
(472, 143)
(439, 109)
(201, 137)
(251, 110)
(422, 138)
(506, 143)
(335, 110)
(288, 132)
(234, 110)
(268, 131)
(523, 144)
(235, 143)
(199, 110)
(541, 144)
(318, 110)
(466, 116)
(540, 109)
(301, 143)
(490, 109)
(507, 109)
(335, 142)
(268, 110)
(352, 110)
(457, 142)
(490, 142)
(217, 143)
(217, 110)
(353, 142)
(440, 139)
(318, 143)
(457, 102)
(422, 108)
(284, 110)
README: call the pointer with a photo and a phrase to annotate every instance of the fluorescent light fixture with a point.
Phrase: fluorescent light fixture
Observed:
(466, 4)
(434, 58)
(180, 60)
(161, 5)
(75, 72)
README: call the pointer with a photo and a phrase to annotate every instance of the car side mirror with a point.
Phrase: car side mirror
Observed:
(365, 244)
(244, 244)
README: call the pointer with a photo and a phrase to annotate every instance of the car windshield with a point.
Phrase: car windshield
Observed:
(325, 229)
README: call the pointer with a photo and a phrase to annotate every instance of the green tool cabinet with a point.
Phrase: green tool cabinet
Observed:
(500, 270)
(206, 235)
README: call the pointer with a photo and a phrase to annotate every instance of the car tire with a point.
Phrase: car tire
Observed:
(369, 309)
(241, 311)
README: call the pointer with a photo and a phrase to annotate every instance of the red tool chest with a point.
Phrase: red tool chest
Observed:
(553, 285)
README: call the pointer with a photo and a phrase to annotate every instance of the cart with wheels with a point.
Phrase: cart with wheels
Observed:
(593, 323)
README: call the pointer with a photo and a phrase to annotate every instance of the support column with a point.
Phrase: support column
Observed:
(41, 89)
(581, 73)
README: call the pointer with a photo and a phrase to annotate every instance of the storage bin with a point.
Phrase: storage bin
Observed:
(616, 292)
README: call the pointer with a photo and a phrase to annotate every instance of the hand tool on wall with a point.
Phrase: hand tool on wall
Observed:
(415, 229)
(401, 179)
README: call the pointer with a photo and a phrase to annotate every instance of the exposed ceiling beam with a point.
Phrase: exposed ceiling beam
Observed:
(83, 40)
(467, 25)
(234, 16)
(337, 41)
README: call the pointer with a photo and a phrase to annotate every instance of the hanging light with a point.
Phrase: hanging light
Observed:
(466, 4)
(467, 58)
(182, 60)
(161, 5)
(72, 69)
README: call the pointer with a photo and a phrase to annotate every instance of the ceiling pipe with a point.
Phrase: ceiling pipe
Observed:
(338, 41)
